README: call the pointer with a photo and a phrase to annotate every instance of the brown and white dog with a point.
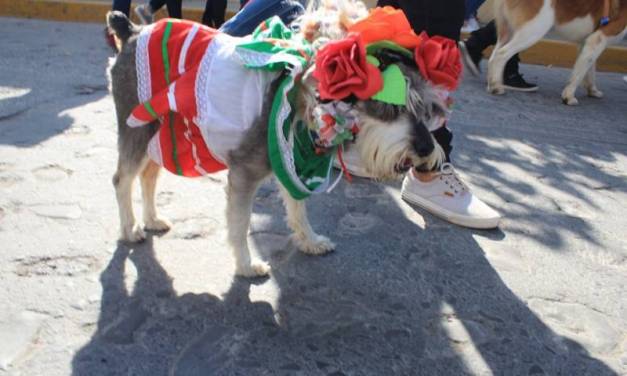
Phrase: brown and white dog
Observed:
(521, 23)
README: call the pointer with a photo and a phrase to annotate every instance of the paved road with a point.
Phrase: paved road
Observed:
(404, 293)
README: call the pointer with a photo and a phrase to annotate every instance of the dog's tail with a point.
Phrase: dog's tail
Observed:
(120, 28)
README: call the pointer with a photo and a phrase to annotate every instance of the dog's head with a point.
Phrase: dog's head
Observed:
(393, 129)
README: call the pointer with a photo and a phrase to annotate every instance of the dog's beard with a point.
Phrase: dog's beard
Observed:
(386, 149)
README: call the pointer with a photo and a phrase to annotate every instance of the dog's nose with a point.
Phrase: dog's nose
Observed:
(423, 142)
(424, 147)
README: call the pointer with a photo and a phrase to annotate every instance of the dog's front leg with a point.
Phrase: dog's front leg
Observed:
(148, 179)
(306, 239)
(123, 179)
(240, 194)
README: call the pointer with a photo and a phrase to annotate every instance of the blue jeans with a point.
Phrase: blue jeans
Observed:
(472, 6)
(257, 11)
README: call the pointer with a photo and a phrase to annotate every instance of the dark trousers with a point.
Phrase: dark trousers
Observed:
(436, 17)
(214, 13)
(123, 6)
(485, 37)
(174, 7)
(444, 18)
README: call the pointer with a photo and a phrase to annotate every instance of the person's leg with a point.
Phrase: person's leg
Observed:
(175, 8)
(123, 6)
(207, 15)
(146, 12)
(155, 5)
(247, 19)
(218, 11)
(444, 137)
(442, 192)
(472, 54)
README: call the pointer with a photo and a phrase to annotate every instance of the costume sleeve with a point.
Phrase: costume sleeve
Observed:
(178, 97)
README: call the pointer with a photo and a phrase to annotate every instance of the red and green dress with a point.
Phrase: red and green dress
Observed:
(206, 88)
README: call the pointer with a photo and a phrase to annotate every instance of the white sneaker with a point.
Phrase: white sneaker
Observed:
(449, 198)
(470, 25)
(352, 161)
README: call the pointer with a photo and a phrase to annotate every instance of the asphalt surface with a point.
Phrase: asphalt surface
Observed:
(404, 293)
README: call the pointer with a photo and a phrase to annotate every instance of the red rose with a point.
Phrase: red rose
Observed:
(342, 70)
(439, 61)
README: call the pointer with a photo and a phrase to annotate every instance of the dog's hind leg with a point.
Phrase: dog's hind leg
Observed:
(240, 194)
(589, 82)
(520, 39)
(123, 180)
(592, 49)
(148, 179)
(306, 239)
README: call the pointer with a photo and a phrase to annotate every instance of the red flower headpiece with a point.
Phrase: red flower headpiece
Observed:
(439, 61)
(342, 68)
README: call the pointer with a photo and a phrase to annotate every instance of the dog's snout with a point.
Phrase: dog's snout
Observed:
(424, 147)
(423, 142)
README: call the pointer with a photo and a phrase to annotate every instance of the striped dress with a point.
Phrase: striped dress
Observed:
(192, 82)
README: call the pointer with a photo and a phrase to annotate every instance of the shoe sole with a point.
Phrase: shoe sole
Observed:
(472, 67)
(525, 90)
(474, 223)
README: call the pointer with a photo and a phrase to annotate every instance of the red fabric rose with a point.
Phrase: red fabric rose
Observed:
(342, 70)
(439, 61)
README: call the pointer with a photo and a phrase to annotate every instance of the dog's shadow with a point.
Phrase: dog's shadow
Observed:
(396, 297)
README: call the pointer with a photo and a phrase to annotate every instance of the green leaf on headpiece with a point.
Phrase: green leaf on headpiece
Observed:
(394, 87)
(373, 60)
(373, 47)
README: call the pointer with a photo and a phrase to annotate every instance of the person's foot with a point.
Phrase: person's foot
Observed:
(353, 164)
(471, 58)
(516, 82)
(145, 14)
(470, 25)
(446, 196)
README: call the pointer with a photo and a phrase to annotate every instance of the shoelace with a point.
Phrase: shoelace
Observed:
(449, 176)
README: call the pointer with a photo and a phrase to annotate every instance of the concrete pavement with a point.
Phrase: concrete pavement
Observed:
(405, 293)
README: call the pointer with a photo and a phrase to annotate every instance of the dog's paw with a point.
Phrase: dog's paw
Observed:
(134, 234)
(496, 89)
(319, 245)
(595, 93)
(256, 268)
(158, 224)
(570, 101)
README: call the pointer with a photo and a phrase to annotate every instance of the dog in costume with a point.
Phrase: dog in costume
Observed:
(282, 101)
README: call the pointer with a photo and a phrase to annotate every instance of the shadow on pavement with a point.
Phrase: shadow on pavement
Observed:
(395, 298)
(48, 68)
